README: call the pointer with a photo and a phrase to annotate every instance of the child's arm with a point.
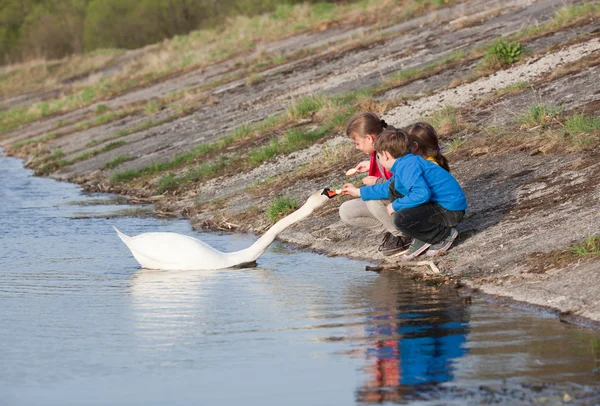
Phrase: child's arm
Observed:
(375, 192)
(417, 191)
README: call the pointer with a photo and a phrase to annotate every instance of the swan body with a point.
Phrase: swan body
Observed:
(173, 251)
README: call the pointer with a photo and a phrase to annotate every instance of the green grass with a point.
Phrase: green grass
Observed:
(280, 207)
(254, 80)
(540, 115)
(589, 247)
(44, 138)
(581, 124)
(117, 161)
(301, 108)
(90, 154)
(101, 109)
(452, 145)
(410, 74)
(294, 139)
(152, 106)
(511, 89)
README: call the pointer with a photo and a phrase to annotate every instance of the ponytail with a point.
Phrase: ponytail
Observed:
(441, 160)
(426, 138)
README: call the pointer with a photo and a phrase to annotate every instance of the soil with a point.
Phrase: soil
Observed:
(525, 207)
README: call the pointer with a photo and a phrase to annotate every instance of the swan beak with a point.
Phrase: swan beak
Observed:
(329, 193)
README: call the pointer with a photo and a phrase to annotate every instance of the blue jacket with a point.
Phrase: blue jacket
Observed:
(420, 182)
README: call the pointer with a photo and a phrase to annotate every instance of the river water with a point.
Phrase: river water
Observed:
(81, 324)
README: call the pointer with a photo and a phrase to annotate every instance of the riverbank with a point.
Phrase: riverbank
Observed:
(219, 144)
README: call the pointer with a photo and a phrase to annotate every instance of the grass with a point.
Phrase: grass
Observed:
(329, 112)
(117, 161)
(512, 89)
(254, 80)
(281, 206)
(408, 75)
(589, 247)
(445, 121)
(452, 145)
(172, 182)
(40, 140)
(581, 124)
(293, 140)
(90, 154)
(301, 108)
(540, 115)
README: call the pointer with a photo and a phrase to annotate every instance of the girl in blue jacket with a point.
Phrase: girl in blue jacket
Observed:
(427, 201)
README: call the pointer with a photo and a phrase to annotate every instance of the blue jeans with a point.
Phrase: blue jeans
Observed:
(429, 222)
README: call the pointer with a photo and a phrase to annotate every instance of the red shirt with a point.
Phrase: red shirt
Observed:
(374, 168)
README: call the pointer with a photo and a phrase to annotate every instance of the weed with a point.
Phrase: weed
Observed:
(591, 246)
(501, 54)
(281, 206)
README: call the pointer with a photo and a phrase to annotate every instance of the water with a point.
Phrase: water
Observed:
(81, 324)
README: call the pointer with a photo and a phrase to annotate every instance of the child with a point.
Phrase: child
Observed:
(427, 202)
(423, 140)
(363, 129)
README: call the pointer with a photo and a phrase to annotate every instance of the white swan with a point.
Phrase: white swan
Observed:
(172, 251)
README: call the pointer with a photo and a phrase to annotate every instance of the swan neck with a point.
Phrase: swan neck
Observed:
(255, 250)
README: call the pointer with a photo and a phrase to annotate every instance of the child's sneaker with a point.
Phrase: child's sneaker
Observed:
(416, 248)
(393, 245)
(440, 248)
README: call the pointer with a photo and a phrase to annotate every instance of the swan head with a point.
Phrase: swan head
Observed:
(316, 200)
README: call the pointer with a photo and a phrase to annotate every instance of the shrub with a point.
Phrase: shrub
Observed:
(501, 54)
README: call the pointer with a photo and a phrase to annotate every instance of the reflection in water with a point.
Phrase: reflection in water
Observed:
(413, 338)
(85, 325)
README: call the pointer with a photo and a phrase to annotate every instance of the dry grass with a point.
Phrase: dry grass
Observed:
(43, 74)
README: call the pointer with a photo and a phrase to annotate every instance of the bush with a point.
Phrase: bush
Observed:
(501, 54)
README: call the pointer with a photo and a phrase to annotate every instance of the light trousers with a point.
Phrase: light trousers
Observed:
(370, 214)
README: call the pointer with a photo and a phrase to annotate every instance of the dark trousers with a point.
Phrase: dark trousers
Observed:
(429, 222)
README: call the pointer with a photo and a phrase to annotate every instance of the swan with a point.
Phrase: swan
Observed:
(173, 251)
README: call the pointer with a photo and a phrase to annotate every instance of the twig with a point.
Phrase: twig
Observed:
(430, 264)
(398, 265)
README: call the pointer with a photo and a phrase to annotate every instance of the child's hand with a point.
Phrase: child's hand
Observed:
(350, 189)
(369, 180)
(362, 166)
(390, 209)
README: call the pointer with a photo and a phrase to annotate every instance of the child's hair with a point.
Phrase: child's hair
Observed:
(362, 124)
(394, 141)
(426, 138)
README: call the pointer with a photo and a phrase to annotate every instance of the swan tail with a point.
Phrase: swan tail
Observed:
(124, 237)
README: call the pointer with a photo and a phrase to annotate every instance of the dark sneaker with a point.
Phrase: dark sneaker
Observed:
(416, 248)
(440, 248)
(393, 245)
